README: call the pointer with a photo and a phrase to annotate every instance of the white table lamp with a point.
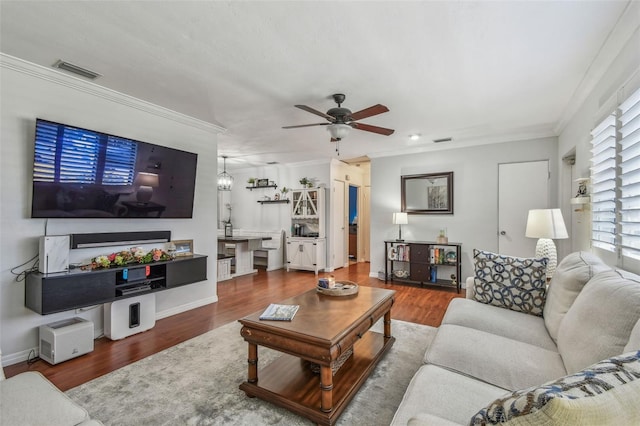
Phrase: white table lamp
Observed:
(145, 182)
(546, 225)
(400, 219)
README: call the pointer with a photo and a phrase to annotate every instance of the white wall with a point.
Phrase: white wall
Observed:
(30, 91)
(248, 214)
(619, 80)
(475, 219)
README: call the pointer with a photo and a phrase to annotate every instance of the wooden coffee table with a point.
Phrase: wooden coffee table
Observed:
(324, 329)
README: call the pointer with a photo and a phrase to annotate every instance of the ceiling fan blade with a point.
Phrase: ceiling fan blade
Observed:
(316, 112)
(305, 125)
(369, 112)
(370, 128)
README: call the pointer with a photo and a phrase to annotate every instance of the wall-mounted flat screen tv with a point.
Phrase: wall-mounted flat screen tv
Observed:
(80, 173)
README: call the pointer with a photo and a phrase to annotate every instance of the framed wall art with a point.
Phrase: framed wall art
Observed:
(183, 247)
(429, 193)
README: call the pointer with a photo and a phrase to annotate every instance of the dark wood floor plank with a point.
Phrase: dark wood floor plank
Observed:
(237, 298)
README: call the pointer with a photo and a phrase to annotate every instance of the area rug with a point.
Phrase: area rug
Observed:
(196, 383)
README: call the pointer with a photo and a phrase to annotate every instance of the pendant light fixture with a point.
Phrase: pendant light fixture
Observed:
(224, 179)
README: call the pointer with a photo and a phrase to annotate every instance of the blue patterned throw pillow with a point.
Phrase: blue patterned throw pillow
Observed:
(515, 283)
(604, 393)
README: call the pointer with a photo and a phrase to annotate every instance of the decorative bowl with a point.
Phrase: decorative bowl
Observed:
(401, 274)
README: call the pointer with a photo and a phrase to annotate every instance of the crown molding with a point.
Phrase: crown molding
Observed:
(625, 28)
(57, 77)
(474, 139)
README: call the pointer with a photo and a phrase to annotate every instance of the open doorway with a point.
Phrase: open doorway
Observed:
(353, 224)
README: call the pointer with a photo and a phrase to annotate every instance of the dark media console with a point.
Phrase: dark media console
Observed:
(51, 293)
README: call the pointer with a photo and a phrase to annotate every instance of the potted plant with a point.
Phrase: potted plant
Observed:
(284, 191)
(251, 181)
(304, 182)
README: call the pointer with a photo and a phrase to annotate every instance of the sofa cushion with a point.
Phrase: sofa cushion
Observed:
(515, 283)
(599, 323)
(439, 392)
(46, 404)
(605, 393)
(503, 322)
(494, 359)
(634, 340)
(571, 275)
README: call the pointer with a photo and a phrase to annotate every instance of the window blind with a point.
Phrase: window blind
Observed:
(69, 155)
(120, 162)
(603, 181)
(629, 124)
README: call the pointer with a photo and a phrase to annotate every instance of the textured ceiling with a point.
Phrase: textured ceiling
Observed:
(470, 70)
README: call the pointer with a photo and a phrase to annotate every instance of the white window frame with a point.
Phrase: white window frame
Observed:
(615, 181)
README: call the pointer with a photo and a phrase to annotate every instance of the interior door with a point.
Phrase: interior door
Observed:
(521, 187)
(339, 225)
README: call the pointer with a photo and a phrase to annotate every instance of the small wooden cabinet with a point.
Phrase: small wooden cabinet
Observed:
(51, 293)
(423, 262)
(306, 253)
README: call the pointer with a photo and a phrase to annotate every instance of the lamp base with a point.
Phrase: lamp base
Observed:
(546, 248)
(144, 194)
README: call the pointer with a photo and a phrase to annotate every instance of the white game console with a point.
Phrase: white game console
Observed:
(54, 253)
(65, 339)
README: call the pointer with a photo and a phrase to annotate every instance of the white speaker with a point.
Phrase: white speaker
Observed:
(129, 316)
(54, 253)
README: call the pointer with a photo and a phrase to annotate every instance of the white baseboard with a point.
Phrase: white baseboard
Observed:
(187, 307)
(17, 357)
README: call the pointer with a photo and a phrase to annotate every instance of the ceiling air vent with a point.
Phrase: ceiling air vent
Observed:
(443, 140)
(83, 72)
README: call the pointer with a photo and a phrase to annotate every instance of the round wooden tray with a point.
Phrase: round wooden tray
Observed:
(342, 288)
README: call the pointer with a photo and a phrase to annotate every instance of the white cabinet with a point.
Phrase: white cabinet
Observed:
(306, 253)
(224, 269)
(308, 213)
(307, 247)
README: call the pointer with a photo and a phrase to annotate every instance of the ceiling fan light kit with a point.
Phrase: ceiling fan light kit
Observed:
(338, 131)
(342, 120)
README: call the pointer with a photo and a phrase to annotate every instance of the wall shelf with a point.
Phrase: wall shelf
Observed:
(273, 201)
(581, 200)
(251, 188)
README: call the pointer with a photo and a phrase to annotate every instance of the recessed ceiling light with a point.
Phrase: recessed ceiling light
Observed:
(414, 137)
(75, 69)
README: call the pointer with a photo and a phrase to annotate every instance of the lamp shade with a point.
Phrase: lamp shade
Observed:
(546, 223)
(400, 219)
(339, 131)
(147, 179)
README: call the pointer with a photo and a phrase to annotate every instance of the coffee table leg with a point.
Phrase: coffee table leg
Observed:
(326, 388)
(253, 363)
(387, 324)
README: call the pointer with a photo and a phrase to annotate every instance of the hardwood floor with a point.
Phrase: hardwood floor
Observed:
(237, 298)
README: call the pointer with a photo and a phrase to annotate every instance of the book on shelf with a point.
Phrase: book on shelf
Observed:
(276, 312)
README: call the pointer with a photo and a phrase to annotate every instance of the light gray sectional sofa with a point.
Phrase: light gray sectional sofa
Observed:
(577, 364)
(29, 399)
